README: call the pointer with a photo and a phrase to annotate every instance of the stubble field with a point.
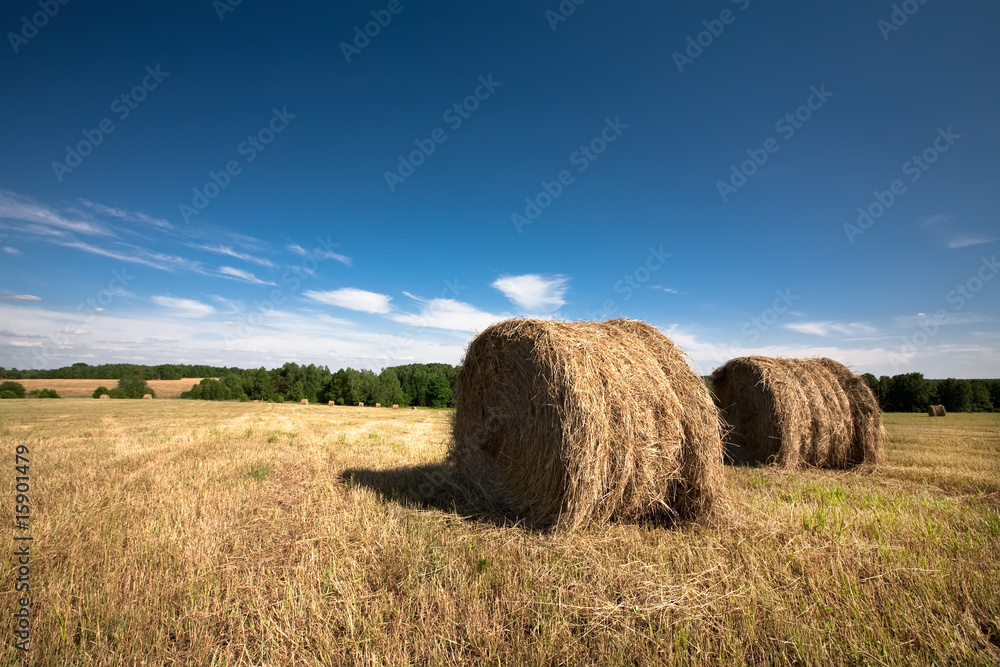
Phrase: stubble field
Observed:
(188, 532)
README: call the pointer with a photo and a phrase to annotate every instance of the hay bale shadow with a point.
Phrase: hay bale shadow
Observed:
(431, 487)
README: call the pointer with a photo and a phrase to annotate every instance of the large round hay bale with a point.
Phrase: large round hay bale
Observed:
(798, 411)
(576, 423)
(936, 411)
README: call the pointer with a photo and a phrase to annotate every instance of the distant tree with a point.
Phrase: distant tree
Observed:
(875, 386)
(100, 390)
(980, 396)
(11, 390)
(955, 395)
(994, 387)
(134, 387)
(48, 393)
(907, 393)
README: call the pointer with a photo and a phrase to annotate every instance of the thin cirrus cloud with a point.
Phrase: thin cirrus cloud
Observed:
(11, 251)
(126, 215)
(321, 253)
(184, 307)
(446, 314)
(832, 328)
(13, 296)
(226, 250)
(245, 276)
(533, 292)
(942, 224)
(27, 215)
(352, 299)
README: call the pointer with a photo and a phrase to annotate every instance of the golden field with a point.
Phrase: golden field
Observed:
(199, 533)
(85, 388)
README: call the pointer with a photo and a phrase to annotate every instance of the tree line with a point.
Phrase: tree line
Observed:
(427, 385)
(117, 371)
(910, 392)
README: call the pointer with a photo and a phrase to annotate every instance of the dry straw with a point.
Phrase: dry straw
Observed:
(571, 424)
(304, 401)
(147, 397)
(798, 411)
(936, 411)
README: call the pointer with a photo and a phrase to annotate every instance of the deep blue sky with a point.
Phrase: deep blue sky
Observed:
(410, 272)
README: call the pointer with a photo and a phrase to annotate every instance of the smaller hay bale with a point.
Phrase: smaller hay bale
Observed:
(361, 405)
(378, 405)
(147, 397)
(330, 403)
(304, 401)
(395, 407)
(936, 411)
(413, 407)
(105, 397)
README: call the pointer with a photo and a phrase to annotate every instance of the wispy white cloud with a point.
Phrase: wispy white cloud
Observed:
(16, 210)
(11, 251)
(245, 276)
(533, 292)
(951, 319)
(447, 314)
(944, 226)
(320, 253)
(966, 240)
(226, 250)
(13, 296)
(231, 306)
(352, 299)
(668, 290)
(184, 307)
(832, 328)
(126, 215)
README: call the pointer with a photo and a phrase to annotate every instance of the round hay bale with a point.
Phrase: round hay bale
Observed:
(798, 411)
(105, 397)
(378, 405)
(361, 405)
(147, 397)
(330, 403)
(413, 407)
(304, 401)
(571, 424)
(936, 411)
(395, 407)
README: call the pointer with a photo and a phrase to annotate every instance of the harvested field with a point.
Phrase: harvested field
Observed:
(85, 388)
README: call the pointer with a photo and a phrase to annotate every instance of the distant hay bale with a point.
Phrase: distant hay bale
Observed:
(936, 411)
(147, 397)
(572, 424)
(330, 403)
(395, 407)
(304, 401)
(361, 405)
(105, 397)
(378, 405)
(798, 411)
(413, 407)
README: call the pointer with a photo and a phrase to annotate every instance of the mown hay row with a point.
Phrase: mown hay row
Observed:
(571, 424)
(798, 411)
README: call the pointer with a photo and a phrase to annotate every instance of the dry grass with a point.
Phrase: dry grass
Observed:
(200, 533)
(85, 388)
(571, 424)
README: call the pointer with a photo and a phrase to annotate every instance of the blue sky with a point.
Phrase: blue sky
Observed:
(247, 185)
